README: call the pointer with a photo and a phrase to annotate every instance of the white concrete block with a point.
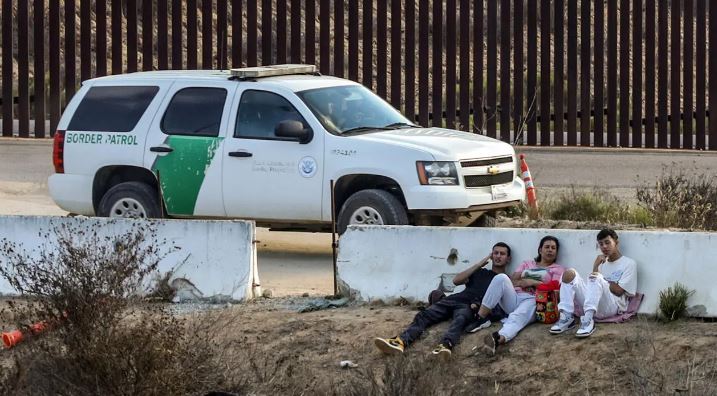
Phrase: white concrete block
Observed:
(210, 260)
(387, 262)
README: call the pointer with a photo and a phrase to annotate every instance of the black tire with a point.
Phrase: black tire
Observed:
(388, 207)
(132, 197)
(487, 220)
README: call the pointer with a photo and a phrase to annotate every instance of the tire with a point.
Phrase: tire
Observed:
(487, 220)
(130, 200)
(371, 207)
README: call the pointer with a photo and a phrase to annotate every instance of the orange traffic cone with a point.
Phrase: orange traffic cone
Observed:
(529, 189)
(12, 338)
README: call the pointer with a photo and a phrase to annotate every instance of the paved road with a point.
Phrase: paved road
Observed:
(26, 164)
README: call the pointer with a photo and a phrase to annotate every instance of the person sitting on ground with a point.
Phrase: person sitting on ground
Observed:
(456, 306)
(516, 295)
(606, 292)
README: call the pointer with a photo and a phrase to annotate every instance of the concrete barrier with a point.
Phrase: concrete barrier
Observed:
(206, 260)
(388, 262)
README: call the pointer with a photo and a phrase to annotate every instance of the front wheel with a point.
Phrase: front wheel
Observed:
(371, 207)
(130, 200)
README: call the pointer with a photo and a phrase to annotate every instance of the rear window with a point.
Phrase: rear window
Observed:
(195, 112)
(112, 108)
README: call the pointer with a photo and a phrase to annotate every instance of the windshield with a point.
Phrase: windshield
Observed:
(352, 108)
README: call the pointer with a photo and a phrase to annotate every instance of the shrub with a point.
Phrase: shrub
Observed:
(520, 210)
(681, 200)
(673, 301)
(102, 339)
(405, 376)
(595, 205)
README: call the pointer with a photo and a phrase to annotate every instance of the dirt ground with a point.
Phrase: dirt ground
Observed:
(302, 354)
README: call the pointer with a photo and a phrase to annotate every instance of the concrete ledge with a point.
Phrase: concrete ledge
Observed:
(208, 260)
(388, 262)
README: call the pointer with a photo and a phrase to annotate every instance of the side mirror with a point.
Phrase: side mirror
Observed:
(295, 130)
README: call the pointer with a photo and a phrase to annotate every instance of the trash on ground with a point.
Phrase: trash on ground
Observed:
(318, 304)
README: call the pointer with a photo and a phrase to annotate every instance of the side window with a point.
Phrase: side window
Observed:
(112, 108)
(260, 112)
(195, 112)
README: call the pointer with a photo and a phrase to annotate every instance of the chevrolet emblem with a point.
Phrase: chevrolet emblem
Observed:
(493, 170)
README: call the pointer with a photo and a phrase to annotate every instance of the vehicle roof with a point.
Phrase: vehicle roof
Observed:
(294, 82)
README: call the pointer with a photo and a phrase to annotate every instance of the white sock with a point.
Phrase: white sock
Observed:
(589, 314)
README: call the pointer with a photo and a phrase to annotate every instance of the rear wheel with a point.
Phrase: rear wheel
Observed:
(487, 220)
(371, 207)
(130, 200)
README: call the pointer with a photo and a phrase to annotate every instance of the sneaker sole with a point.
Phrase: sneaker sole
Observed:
(489, 350)
(561, 331)
(584, 335)
(481, 327)
(386, 348)
(489, 347)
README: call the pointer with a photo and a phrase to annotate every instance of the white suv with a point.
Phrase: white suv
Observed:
(264, 143)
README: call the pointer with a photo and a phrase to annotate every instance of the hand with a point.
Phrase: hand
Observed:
(598, 260)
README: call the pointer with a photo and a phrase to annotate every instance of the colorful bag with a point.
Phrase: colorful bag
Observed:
(547, 296)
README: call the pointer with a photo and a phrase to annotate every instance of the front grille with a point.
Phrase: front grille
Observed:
(488, 180)
(485, 162)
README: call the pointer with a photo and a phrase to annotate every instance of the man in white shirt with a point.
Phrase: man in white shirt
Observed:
(606, 291)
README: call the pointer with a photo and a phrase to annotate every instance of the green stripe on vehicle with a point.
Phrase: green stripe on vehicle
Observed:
(182, 172)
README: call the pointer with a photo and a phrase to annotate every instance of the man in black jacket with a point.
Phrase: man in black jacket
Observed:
(456, 306)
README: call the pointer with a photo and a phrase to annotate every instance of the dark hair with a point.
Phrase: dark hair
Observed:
(503, 245)
(545, 239)
(607, 232)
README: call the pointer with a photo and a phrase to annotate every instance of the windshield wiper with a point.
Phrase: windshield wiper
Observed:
(397, 125)
(389, 127)
(365, 129)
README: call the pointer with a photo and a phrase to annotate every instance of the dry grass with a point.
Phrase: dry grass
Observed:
(681, 199)
(596, 205)
(100, 337)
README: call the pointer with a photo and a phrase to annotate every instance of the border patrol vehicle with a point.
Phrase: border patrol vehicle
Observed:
(264, 143)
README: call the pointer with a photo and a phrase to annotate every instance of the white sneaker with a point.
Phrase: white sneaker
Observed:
(566, 322)
(587, 327)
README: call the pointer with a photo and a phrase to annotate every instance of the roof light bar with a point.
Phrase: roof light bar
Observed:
(273, 70)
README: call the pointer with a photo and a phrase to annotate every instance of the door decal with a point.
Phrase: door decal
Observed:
(182, 172)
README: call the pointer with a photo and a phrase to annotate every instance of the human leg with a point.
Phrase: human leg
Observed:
(461, 317)
(436, 313)
(520, 317)
(599, 298)
(599, 302)
(572, 292)
(500, 292)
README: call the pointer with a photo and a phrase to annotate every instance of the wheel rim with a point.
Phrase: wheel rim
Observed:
(128, 208)
(366, 215)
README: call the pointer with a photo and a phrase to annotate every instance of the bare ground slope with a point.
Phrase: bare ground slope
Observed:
(299, 353)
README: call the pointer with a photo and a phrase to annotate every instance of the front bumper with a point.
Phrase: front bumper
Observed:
(462, 199)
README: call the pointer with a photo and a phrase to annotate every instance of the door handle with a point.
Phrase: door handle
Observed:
(161, 149)
(240, 154)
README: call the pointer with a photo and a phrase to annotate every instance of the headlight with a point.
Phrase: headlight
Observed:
(437, 173)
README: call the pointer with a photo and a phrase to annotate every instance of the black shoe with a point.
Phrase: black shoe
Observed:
(476, 325)
(443, 351)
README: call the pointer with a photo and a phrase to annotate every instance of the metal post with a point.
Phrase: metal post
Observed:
(334, 244)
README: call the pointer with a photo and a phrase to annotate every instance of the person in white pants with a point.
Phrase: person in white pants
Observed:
(516, 294)
(606, 291)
